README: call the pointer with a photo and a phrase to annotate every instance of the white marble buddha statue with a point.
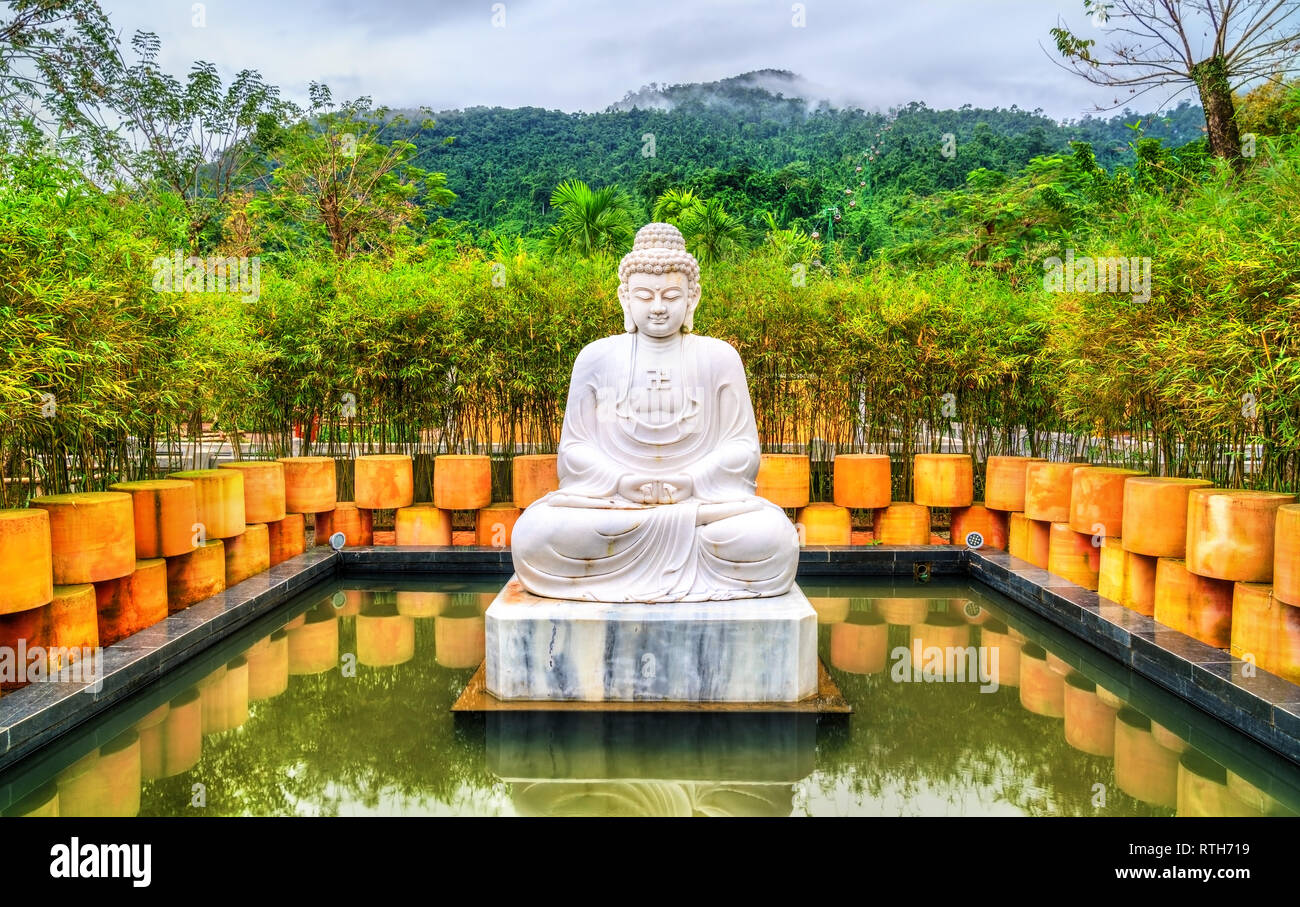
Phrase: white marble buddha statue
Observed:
(657, 460)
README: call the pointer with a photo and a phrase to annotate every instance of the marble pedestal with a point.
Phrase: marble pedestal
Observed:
(747, 650)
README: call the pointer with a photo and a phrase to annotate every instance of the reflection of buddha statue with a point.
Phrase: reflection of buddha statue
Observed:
(651, 798)
(657, 460)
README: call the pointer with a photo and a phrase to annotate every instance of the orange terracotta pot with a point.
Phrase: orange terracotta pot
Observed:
(862, 480)
(31, 630)
(1191, 604)
(268, 668)
(166, 511)
(1265, 630)
(824, 524)
(1018, 535)
(384, 481)
(783, 479)
(182, 734)
(1139, 591)
(494, 523)
(74, 624)
(1230, 533)
(1047, 490)
(264, 489)
(248, 555)
(356, 524)
(1097, 499)
(132, 603)
(1144, 769)
(219, 497)
(1042, 690)
(286, 538)
(943, 480)
(1040, 542)
(1004, 651)
(902, 524)
(459, 637)
(26, 560)
(385, 639)
(1072, 556)
(1203, 789)
(533, 476)
(314, 646)
(1004, 482)
(1089, 722)
(310, 484)
(1112, 570)
(992, 525)
(1286, 555)
(92, 536)
(195, 576)
(462, 481)
(859, 644)
(1155, 514)
(422, 524)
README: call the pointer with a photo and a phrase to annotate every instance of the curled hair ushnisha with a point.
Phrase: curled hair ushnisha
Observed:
(659, 249)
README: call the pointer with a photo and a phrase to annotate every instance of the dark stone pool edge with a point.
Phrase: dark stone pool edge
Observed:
(39, 713)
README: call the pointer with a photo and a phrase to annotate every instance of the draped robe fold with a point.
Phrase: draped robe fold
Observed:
(587, 542)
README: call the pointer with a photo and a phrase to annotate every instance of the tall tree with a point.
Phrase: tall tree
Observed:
(591, 221)
(1215, 45)
(710, 232)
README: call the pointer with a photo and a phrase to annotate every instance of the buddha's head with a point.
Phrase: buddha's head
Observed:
(659, 283)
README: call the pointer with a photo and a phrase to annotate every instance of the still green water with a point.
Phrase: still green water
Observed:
(339, 705)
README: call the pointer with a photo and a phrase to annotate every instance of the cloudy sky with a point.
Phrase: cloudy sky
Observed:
(585, 55)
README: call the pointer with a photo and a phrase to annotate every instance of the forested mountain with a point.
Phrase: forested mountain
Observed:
(756, 144)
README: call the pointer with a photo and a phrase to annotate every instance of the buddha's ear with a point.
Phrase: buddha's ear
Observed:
(688, 324)
(628, 324)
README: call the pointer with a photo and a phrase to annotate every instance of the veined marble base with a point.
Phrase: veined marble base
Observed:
(749, 650)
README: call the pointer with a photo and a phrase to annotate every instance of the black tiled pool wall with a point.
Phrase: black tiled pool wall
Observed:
(1261, 706)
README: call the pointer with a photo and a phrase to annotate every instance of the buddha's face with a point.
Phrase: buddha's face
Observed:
(658, 303)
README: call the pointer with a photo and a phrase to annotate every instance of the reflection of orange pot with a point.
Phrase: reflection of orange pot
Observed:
(314, 647)
(1059, 664)
(1089, 722)
(947, 634)
(40, 803)
(1168, 739)
(248, 555)
(1203, 789)
(532, 476)
(1097, 499)
(383, 481)
(1004, 482)
(1266, 630)
(862, 480)
(1144, 769)
(494, 524)
(263, 489)
(783, 479)
(1191, 604)
(902, 611)
(165, 513)
(418, 603)
(825, 524)
(1072, 556)
(92, 536)
(287, 537)
(994, 637)
(902, 524)
(1230, 533)
(268, 667)
(422, 524)
(384, 640)
(215, 697)
(1042, 690)
(151, 742)
(132, 603)
(195, 576)
(459, 638)
(219, 499)
(310, 484)
(830, 609)
(1155, 514)
(357, 525)
(1286, 555)
(1254, 798)
(859, 644)
(182, 734)
(992, 525)
(1047, 490)
(105, 783)
(943, 480)
(26, 560)
(462, 481)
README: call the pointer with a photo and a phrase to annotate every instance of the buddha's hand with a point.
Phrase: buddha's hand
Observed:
(675, 489)
(639, 489)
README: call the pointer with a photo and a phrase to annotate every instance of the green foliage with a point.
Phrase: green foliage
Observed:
(592, 221)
